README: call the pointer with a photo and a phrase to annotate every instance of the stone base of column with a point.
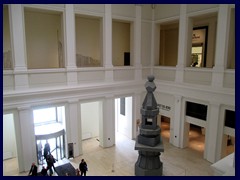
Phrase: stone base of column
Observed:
(148, 164)
(148, 172)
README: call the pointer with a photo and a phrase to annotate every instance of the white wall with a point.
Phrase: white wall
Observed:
(9, 139)
(90, 117)
(124, 123)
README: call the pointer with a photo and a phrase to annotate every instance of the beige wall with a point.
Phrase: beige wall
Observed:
(41, 39)
(88, 37)
(6, 30)
(231, 46)
(211, 22)
(168, 45)
(120, 42)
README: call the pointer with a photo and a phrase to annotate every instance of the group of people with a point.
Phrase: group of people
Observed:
(50, 160)
(46, 150)
(81, 171)
(44, 172)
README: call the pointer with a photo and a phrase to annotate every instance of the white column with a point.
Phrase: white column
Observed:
(184, 41)
(153, 48)
(137, 104)
(29, 154)
(70, 57)
(177, 121)
(212, 132)
(221, 141)
(107, 126)
(221, 45)
(107, 43)
(75, 127)
(137, 43)
(18, 45)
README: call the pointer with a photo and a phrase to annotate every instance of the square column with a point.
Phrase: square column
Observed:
(107, 126)
(107, 43)
(70, 49)
(177, 122)
(29, 153)
(223, 24)
(137, 43)
(74, 127)
(185, 28)
(18, 46)
(212, 132)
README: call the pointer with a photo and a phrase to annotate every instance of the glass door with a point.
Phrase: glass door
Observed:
(56, 142)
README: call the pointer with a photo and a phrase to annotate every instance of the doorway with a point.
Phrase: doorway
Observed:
(91, 116)
(196, 138)
(123, 118)
(56, 142)
(49, 126)
(165, 128)
(10, 156)
(228, 145)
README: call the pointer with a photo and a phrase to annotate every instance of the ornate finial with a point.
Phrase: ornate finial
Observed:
(151, 78)
(150, 85)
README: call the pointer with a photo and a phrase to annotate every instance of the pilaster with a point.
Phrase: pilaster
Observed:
(152, 42)
(221, 45)
(137, 43)
(183, 43)
(70, 57)
(107, 42)
(18, 46)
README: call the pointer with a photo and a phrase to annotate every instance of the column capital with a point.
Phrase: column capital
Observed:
(73, 101)
(24, 107)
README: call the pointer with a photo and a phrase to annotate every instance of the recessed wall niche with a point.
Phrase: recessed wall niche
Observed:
(231, 43)
(88, 41)
(44, 38)
(168, 50)
(7, 51)
(121, 51)
(203, 40)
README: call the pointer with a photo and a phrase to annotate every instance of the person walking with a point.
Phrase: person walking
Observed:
(83, 167)
(50, 163)
(46, 150)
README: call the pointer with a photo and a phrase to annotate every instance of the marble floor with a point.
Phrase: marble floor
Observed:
(119, 160)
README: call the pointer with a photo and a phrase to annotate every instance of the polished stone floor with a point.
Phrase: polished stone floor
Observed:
(119, 160)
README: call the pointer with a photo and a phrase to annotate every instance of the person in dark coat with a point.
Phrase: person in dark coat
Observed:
(33, 170)
(46, 150)
(83, 167)
(50, 163)
(44, 171)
